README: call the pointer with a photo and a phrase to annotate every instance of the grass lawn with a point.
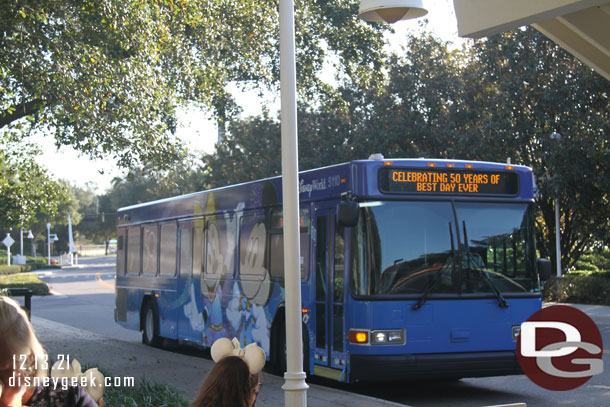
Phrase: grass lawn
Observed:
(145, 394)
(30, 281)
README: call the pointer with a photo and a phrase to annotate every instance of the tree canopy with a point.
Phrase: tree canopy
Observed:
(498, 99)
(27, 193)
(108, 77)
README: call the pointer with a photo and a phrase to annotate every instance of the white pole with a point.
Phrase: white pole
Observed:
(295, 388)
(21, 240)
(48, 244)
(557, 238)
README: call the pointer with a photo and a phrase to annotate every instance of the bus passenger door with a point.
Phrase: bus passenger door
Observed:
(329, 353)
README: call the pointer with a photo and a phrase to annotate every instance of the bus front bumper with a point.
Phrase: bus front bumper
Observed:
(433, 366)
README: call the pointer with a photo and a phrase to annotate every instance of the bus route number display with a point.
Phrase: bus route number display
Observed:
(448, 181)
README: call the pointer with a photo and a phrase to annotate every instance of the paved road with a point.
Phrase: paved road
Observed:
(84, 298)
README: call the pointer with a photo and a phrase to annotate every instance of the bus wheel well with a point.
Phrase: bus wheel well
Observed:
(145, 300)
(279, 323)
(277, 347)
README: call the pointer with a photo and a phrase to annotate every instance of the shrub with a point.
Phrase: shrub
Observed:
(594, 260)
(4, 269)
(16, 269)
(582, 287)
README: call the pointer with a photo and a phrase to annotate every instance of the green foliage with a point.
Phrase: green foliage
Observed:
(145, 394)
(521, 88)
(30, 281)
(108, 77)
(594, 261)
(4, 269)
(24, 268)
(579, 288)
(498, 98)
(250, 151)
(27, 193)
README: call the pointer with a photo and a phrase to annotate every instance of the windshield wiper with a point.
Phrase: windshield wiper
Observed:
(501, 301)
(437, 277)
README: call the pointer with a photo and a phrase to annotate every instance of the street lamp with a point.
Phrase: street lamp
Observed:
(49, 237)
(294, 386)
(556, 136)
(29, 236)
(390, 11)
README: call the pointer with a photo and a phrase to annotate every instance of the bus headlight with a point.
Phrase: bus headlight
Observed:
(388, 337)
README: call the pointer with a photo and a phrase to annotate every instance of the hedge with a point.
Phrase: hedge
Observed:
(579, 287)
(30, 281)
(30, 266)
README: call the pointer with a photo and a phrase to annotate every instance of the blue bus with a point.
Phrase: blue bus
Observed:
(410, 268)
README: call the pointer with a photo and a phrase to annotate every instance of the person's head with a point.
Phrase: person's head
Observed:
(236, 378)
(229, 384)
(21, 355)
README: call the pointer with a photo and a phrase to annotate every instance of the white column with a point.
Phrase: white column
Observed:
(557, 238)
(295, 388)
(48, 244)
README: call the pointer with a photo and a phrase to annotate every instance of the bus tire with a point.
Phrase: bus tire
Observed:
(150, 324)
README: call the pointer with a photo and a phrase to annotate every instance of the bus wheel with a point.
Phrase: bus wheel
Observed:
(150, 324)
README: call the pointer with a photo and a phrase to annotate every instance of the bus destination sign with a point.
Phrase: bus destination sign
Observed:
(448, 181)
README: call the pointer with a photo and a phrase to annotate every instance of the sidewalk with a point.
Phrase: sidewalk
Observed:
(596, 312)
(124, 359)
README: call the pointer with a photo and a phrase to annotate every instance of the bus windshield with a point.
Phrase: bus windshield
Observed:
(448, 248)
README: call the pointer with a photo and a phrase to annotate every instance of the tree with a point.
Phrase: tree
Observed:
(107, 77)
(27, 193)
(98, 215)
(499, 98)
(250, 150)
(405, 114)
(521, 87)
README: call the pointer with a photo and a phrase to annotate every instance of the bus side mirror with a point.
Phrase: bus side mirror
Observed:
(347, 213)
(544, 269)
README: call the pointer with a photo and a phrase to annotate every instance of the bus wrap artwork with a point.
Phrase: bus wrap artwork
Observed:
(448, 181)
(430, 276)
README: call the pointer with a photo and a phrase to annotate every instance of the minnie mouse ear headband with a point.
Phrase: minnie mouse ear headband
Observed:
(252, 354)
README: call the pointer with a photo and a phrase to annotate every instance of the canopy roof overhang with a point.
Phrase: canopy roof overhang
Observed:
(582, 27)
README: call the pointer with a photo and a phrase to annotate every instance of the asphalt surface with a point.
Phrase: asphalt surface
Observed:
(125, 360)
(83, 294)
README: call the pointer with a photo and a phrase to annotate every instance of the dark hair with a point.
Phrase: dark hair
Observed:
(229, 384)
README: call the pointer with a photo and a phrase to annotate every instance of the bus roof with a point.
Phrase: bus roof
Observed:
(360, 178)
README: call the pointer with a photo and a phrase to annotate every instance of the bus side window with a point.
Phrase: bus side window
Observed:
(185, 249)
(219, 257)
(168, 243)
(120, 259)
(197, 247)
(133, 250)
(150, 244)
(276, 263)
(252, 247)
(276, 243)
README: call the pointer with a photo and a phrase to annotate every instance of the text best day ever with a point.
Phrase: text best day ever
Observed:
(445, 182)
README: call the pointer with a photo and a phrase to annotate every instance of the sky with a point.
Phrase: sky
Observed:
(199, 132)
